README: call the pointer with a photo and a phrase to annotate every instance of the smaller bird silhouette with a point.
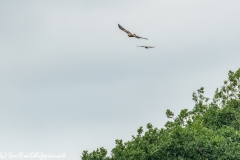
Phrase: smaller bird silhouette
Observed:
(129, 33)
(147, 46)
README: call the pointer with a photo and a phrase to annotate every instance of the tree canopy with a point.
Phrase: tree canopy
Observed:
(210, 131)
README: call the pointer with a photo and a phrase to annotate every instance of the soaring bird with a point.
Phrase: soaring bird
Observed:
(147, 46)
(129, 33)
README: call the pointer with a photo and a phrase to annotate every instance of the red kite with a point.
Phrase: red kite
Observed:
(147, 46)
(130, 34)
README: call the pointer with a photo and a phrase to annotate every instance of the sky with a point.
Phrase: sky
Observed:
(71, 80)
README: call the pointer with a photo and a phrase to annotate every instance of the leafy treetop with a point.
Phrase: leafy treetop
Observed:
(210, 131)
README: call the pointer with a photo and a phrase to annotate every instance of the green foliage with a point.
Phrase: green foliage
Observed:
(210, 131)
(169, 114)
(230, 89)
(99, 154)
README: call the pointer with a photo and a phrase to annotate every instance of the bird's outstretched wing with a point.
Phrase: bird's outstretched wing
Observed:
(140, 37)
(129, 33)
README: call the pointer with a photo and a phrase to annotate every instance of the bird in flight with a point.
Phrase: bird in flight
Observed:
(129, 33)
(147, 46)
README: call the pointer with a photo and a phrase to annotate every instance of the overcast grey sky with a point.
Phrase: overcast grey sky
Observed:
(71, 80)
